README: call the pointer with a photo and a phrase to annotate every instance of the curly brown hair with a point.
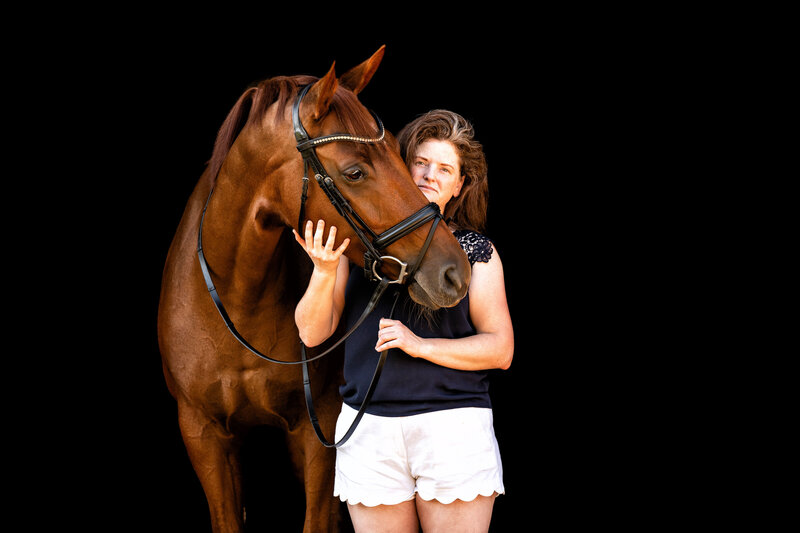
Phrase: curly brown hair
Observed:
(468, 209)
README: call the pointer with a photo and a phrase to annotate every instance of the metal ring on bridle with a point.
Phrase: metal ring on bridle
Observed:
(400, 277)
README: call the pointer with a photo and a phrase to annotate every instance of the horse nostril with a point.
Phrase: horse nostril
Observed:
(453, 281)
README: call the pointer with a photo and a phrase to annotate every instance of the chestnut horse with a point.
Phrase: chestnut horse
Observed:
(222, 390)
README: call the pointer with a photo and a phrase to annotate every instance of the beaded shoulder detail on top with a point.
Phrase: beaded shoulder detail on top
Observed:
(477, 245)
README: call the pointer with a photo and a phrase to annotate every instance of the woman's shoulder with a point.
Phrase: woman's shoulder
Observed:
(477, 245)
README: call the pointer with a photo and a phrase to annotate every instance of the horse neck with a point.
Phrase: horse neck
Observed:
(246, 237)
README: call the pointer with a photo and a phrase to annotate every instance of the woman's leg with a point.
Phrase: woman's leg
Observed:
(461, 516)
(400, 518)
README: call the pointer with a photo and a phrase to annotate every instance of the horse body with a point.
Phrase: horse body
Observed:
(221, 388)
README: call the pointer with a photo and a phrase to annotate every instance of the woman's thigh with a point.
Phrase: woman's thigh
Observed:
(400, 518)
(465, 517)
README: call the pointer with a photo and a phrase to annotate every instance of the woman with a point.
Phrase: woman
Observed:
(425, 453)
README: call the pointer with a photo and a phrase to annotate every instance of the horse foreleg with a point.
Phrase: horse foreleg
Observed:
(315, 465)
(213, 452)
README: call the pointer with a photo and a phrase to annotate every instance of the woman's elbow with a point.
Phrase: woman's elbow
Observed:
(505, 358)
(312, 335)
(305, 332)
(310, 342)
(506, 354)
(311, 338)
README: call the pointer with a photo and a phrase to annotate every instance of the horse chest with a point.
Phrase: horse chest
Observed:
(254, 396)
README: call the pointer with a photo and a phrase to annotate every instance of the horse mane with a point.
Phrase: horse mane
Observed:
(281, 90)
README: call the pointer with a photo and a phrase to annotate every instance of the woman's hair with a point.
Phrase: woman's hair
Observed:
(468, 209)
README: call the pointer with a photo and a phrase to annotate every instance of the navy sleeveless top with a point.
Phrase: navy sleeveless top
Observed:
(409, 385)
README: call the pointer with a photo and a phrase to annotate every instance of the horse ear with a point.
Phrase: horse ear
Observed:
(321, 94)
(357, 78)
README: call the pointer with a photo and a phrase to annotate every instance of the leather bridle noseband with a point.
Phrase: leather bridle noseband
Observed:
(373, 258)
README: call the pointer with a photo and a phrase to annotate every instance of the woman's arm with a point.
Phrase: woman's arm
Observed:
(319, 310)
(491, 347)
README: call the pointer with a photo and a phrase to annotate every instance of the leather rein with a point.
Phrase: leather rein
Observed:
(373, 258)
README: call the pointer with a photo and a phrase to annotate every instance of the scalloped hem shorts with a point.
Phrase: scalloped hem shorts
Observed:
(443, 455)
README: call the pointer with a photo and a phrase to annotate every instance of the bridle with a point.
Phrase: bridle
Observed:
(373, 258)
(372, 241)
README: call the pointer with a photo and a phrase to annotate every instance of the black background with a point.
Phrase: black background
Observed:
(560, 122)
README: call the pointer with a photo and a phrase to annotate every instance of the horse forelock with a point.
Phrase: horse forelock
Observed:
(253, 104)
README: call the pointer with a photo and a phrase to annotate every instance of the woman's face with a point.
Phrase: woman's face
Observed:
(436, 170)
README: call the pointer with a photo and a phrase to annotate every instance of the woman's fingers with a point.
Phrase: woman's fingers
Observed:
(309, 232)
(331, 238)
(318, 234)
(395, 334)
(298, 238)
(387, 334)
(342, 247)
(314, 238)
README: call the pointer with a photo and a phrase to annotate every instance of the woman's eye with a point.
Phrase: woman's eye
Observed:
(354, 175)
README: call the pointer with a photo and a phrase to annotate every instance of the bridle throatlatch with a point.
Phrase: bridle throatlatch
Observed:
(373, 258)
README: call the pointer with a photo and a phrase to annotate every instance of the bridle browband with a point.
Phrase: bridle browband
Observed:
(373, 258)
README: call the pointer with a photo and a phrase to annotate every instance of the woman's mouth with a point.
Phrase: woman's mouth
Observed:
(426, 188)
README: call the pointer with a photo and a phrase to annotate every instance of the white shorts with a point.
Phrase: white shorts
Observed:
(446, 455)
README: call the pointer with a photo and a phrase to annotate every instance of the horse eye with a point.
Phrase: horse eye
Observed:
(354, 175)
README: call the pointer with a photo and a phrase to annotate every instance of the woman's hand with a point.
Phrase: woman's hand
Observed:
(394, 334)
(324, 257)
(318, 312)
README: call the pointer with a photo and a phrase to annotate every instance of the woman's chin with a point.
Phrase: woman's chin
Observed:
(429, 195)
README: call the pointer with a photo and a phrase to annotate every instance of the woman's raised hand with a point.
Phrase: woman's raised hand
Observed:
(324, 257)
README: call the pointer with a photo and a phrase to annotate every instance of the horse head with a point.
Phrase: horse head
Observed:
(373, 179)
